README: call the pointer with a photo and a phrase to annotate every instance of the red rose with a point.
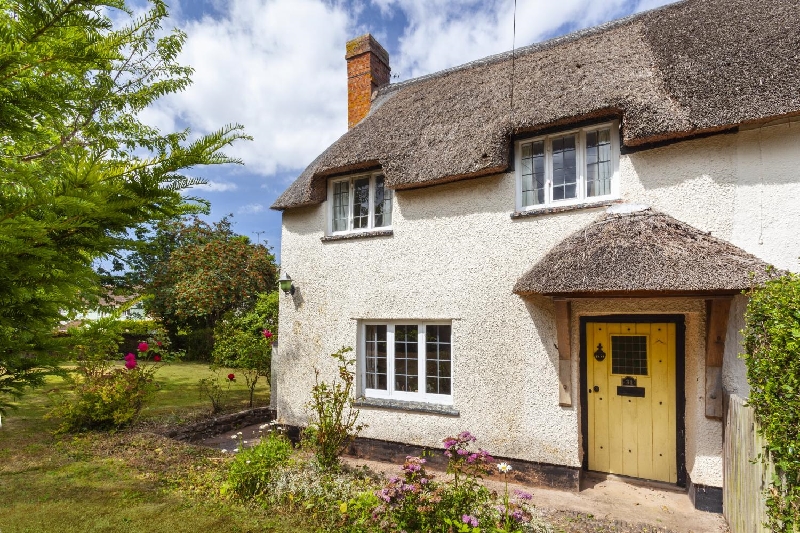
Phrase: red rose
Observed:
(156, 358)
(231, 377)
(158, 343)
(267, 334)
(143, 346)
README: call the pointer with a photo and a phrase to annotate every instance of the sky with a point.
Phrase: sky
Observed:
(278, 68)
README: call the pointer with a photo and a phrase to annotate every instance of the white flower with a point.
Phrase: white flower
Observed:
(263, 426)
(239, 433)
(248, 462)
(245, 442)
(224, 450)
(234, 437)
(504, 468)
(235, 450)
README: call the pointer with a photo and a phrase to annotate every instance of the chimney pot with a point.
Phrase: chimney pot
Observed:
(367, 70)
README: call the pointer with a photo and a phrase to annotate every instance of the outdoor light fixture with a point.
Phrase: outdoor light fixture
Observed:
(286, 284)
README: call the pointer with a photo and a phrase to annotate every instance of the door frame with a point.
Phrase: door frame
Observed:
(680, 382)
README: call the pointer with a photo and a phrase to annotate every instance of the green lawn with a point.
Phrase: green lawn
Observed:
(133, 480)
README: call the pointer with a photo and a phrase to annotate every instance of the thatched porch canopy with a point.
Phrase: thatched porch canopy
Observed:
(643, 253)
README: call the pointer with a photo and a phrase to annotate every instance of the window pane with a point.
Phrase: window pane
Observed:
(383, 204)
(565, 176)
(406, 354)
(437, 359)
(598, 163)
(629, 354)
(361, 203)
(375, 357)
(533, 173)
(341, 199)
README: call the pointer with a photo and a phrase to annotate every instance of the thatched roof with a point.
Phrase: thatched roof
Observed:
(643, 251)
(692, 67)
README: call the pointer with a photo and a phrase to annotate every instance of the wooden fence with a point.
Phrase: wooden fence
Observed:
(746, 476)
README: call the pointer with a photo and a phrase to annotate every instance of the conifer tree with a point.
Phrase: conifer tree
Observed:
(79, 171)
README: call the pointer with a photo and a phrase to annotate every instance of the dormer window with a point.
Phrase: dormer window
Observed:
(568, 167)
(358, 204)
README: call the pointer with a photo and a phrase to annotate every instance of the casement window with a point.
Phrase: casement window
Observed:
(407, 360)
(359, 203)
(569, 167)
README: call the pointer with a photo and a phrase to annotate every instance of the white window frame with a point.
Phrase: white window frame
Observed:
(390, 393)
(580, 163)
(351, 191)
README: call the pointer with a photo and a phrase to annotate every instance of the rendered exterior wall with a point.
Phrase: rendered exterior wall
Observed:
(455, 255)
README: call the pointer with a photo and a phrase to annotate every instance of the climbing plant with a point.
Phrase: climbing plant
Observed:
(772, 344)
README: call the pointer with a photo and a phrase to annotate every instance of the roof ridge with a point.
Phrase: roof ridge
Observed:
(525, 50)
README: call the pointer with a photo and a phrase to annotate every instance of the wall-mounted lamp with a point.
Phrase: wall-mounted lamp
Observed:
(286, 284)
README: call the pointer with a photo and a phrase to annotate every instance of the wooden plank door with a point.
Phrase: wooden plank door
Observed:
(631, 399)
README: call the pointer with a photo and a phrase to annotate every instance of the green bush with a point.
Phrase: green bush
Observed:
(772, 345)
(253, 468)
(109, 400)
(333, 418)
(197, 344)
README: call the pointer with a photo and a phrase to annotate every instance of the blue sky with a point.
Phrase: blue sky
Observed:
(278, 68)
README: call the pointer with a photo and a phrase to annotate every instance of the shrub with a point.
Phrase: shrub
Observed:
(212, 389)
(333, 418)
(106, 397)
(253, 468)
(772, 345)
(108, 400)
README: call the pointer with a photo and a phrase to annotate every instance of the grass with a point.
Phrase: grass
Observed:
(128, 481)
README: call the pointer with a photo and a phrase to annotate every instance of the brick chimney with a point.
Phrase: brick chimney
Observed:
(367, 69)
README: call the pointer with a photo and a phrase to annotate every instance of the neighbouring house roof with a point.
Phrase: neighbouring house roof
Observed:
(643, 251)
(693, 67)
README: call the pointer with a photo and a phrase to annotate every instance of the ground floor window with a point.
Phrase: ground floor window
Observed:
(407, 360)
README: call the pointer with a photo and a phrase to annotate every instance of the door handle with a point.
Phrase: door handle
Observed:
(596, 388)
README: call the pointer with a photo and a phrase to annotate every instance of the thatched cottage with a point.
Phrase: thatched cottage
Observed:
(548, 247)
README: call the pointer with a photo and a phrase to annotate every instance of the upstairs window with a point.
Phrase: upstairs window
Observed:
(568, 167)
(359, 203)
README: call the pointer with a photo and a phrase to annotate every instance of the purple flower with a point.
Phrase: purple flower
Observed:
(522, 495)
(517, 515)
(450, 442)
(469, 520)
(462, 451)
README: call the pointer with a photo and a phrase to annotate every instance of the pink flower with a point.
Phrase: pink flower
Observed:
(267, 333)
(143, 346)
(156, 358)
(130, 357)
(231, 377)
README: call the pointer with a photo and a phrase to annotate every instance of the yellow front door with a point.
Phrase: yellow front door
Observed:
(631, 399)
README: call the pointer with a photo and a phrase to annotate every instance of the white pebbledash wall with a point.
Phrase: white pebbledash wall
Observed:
(456, 254)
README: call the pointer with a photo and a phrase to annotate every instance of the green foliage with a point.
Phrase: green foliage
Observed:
(195, 273)
(772, 345)
(333, 418)
(109, 400)
(253, 468)
(244, 340)
(105, 397)
(216, 388)
(79, 171)
(198, 343)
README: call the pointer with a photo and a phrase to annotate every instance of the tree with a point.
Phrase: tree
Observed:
(244, 340)
(205, 271)
(79, 172)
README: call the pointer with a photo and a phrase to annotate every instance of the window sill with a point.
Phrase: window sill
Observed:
(562, 209)
(358, 235)
(403, 405)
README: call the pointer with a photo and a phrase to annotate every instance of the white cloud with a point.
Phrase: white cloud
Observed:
(217, 186)
(276, 66)
(250, 209)
(446, 33)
